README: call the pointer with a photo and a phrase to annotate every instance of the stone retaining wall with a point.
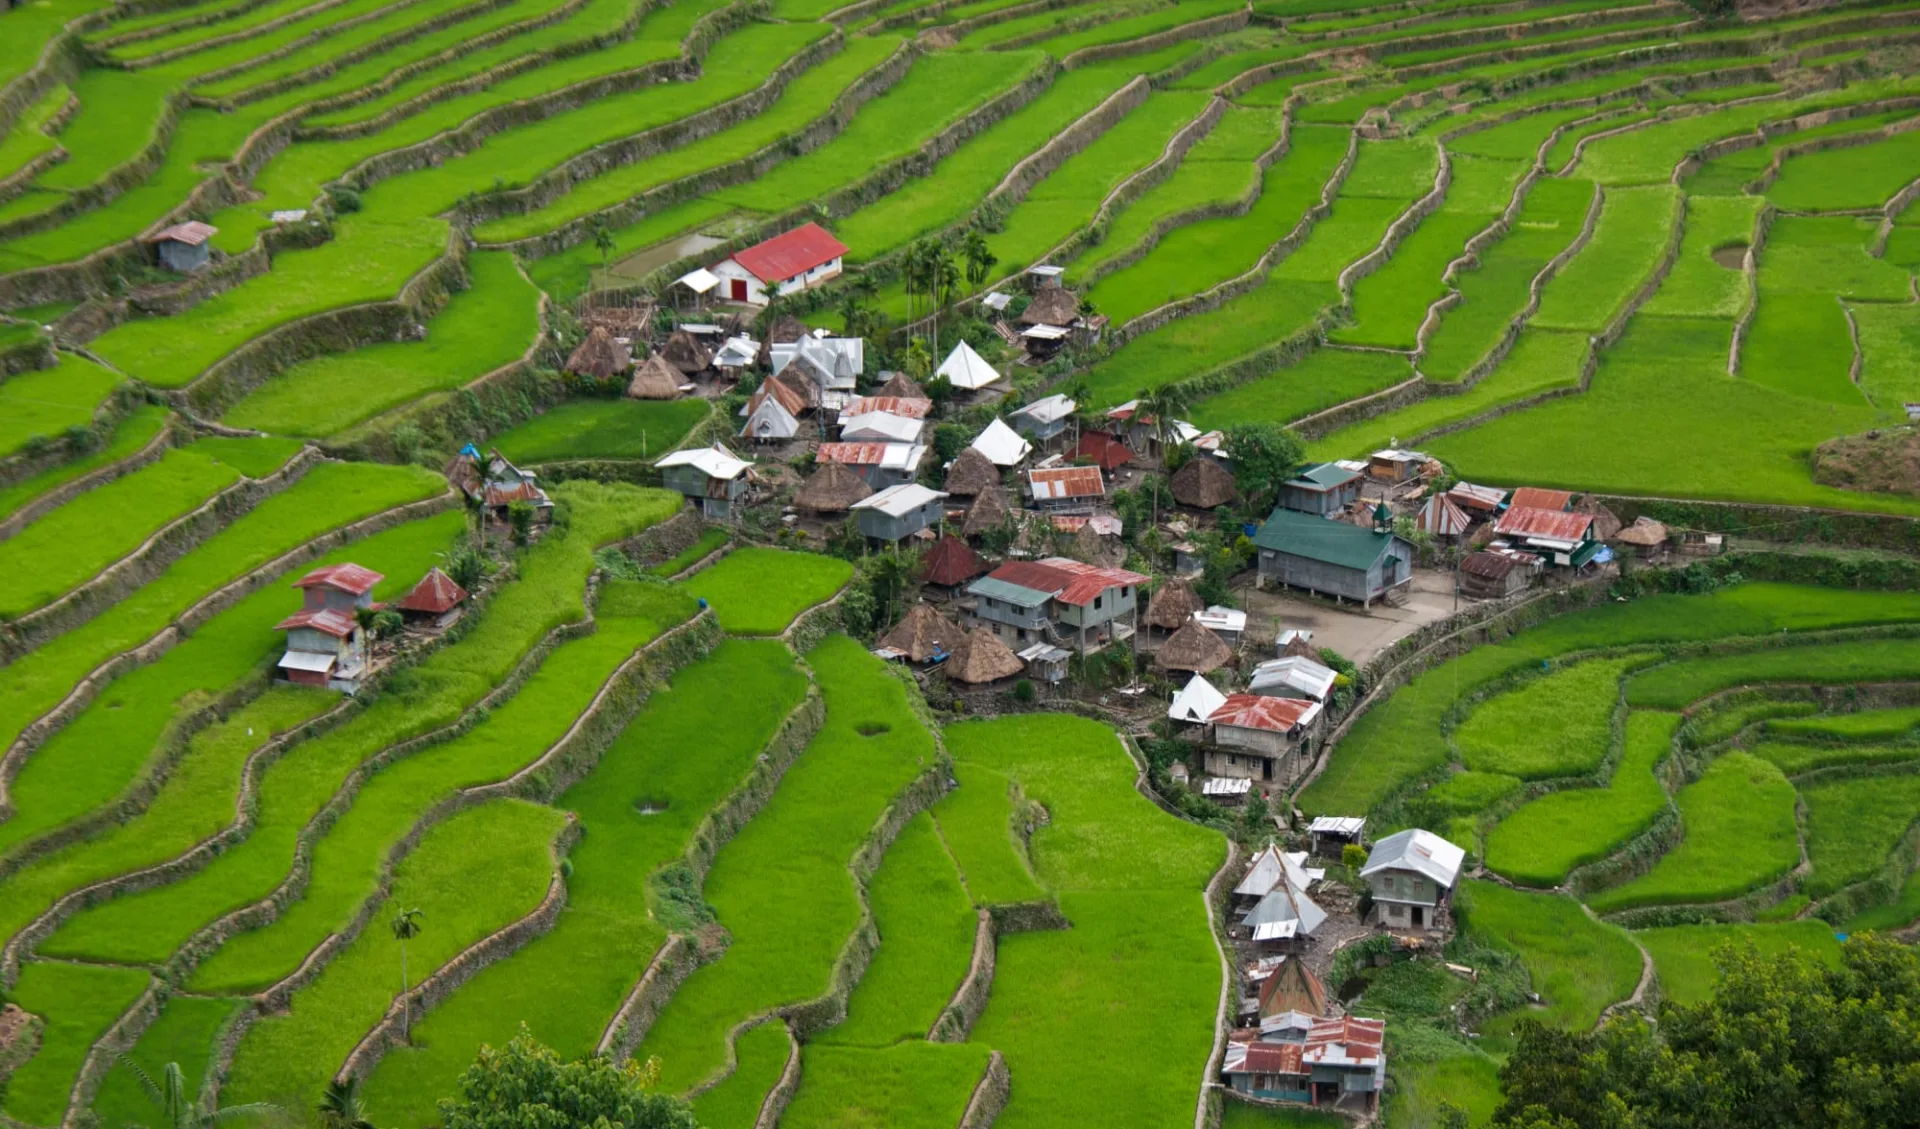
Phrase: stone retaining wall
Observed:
(1397, 232)
(60, 449)
(170, 298)
(969, 1000)
(251, 31)
(990, 1096)
(1140, 183)
(1535, 291)
(783, 1089)
(121, 178)
(1199, 29)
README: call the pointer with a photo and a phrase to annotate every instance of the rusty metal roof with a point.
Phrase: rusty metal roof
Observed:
(330, 620)
(1538, 498)
(435, 593)
(1256, 1057)
(912, 407)
(1547, 525)
(1058, 483)
(1253, 711)
(350, 578)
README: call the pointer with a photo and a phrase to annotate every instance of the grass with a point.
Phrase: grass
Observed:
(915, 1085)
(347, 861)
(1323, 379)
(1391, 303)
(1904, 910)
(1853, 825)
(184, 1033)
(1560, 724)
(781, 887)
(1890, 349)
(975, 821)
(1464, 1077)
(1139, 961)
(567, 984)
(1723, 723)
(1863, 176)
(603, 429)
(1866, 725)
(79, 1002)
(1681, 683)
(1236, 1115)
(150, 925)
(710, 539)
(70, 545)
(1740, 833)
(472, 875)
(1699, 286)
(1800, 342)
(1683, 954)
(760, 591)
(1597, 282)
(119, 112)
(482, 328)
(43, 403)
(1795, 758)
(760, 1057)
(1577, 964)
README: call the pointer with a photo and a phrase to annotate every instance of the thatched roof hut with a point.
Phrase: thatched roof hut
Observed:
(1202, 484)
(1605, 525)
(989, 512)
(686, 353)
(785, 330)
(1644, 533)
(1298, 647)
(951, 563)
(971, 473)
(600, 356)
(900, 384)
(834, 488)
(1193, 648)
(654, 379)
(981, 657)
(920, 630)
(1172, 605)
(1052, 305)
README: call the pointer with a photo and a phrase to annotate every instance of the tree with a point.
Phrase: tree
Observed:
(1160, 409)
(526, 1085)
(980, 258)
(1264, 455)
(520, 517)
(180, 1107)
(919, 361)
(940, 275)
(341, 1108)
(940, 390)
(405, 926)
(602, 240)
(890, 574)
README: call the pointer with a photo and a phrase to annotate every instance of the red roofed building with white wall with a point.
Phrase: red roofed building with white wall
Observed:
(806, 256)
(325, 644)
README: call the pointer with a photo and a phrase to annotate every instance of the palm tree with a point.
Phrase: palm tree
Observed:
(1082, 397)
(406, 926)
(892, 573)
(602, 240)
(980, 258)
(183, 1109)
(341, 1108)
(1159, 408)
(942, 276)
(912, 267)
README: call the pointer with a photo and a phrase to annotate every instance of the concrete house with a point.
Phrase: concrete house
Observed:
(1044, 418)
(184, 246)
(790, 262)
(714, 477)
(1412, 875)
(1556, 536)
(899, 511)
(1258, 738)
(879, 465)
(325, 644)
(1300, 550)
(1079, 603)
(1324, 489)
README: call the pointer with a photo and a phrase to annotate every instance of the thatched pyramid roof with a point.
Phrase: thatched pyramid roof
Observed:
(951, 562)
(685, 352)
(1172, 605)
(785, 330)
(919, 630)
(654, 379)
(833, 488)
(1052, 305)
(1193, 648)
(989, 512)
(1202, 484)
(971, 473)
(1644, 532)
(1605, 525)
(600, 356)
(1091, 547)
(1298, 647)
(982, 657)
(900, 384)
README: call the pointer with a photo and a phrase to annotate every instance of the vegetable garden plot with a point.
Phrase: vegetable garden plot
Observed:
(40, 405)
(639, 808)
(1577, 964)
(1853, 825)
(760, 591)
(1683, 955)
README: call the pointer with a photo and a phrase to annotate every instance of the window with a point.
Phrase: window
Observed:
(1096, 603)
(1232, 760)
(1386, 882)
(1125, 590)
(1419, 885)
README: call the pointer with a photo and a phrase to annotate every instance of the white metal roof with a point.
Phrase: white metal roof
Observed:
(771, 420)
(714, 462)
(1310, 678)
(1045, 332)
(738, 352)
(1226, 786)
(699, 280)
(312, 661)
(967, 369)
(1285, 905)
(1196, 700)
(1419, 851)
(1290, 634)
(1217, 618)
(996, 301)
(883, 426)
(1002, 445)
(1350, 825)
(1271, 866)
(1044, 652)
(899, 501)
(1048, 410)
(1276, 930)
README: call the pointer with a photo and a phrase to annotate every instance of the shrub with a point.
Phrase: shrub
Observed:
(1023, 690)
(520, 517)
(387, 624)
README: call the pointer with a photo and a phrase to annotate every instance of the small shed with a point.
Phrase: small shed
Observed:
(1488, 575)
(435, 600)
(713, 477)
(1193, 648)
(1324, 489)
(1047, 662)
(900, 511)
(1395, 466)
(923, 634)
(1442, 520)
(1002, 445)
(654, 379)
(966, 369)
(971, 473)
(1541, 498)
(184, 246)
(832, 488)
(1196, 701)
(980, 658)
(1067, 489)
(1329, 835)
(600, 356)
(1645, 536)
(1044, 418)
(1202, 484)
(1173, 604)
(902, 385)
(951, 563)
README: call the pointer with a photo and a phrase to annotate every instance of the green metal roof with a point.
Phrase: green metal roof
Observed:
(1008, 592)
(1322, 476)
(1322, 539)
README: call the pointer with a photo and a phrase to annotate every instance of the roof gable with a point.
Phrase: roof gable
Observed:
(790, 253)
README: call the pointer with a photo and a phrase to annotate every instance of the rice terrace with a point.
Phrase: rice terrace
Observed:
(931, 564)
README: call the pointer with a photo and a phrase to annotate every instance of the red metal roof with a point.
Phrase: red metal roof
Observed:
(1538, 498)
(1272, 1058)
(1361, 1039)
(853, 454)
(909, 407)
(1550, 525)
(332, 621)
(1103, 450)
(500, 495)
(1070, 581)
(350, 578)
(951, 563)
(435, 593)
(1252, 711)
(792, 253)
(1067, 482)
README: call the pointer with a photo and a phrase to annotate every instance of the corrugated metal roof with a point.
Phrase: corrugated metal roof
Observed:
(1477, 497)
(1540, 498)
(349, 577)
(1069, 581)
(435, 593)
(1256, 1057)
(1276, 715)
(1346, 1041)
(1322, 478)
(311, 661)
(1550, 525)
(790, 253)
(899, 501)
(1322, 539)
(1006, 591)
(192, 233)
(910, 407)
(1441, 517)
(715, 462)
(1195, 701)
(884, 426)
(1310, 678)
(1417, 850)
(1338, 824)
(1103, 450)
(891, 456)
(1049, 409)
(1057, 483)
(331, 621)
(966, 369)
(1002, 445)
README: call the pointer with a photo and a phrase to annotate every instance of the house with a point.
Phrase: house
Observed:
(900, 511)
(736, 355)
(790, 262)
(1645, 536)
(1194, 649)
(1141, 432)
(1044, 418)
(1024, 600)
(497, 484)
(1442, 520)
(436, 600)
(769, 419)
(1324, 489)
(326, 645)
(1256, 737)
(971, 473)
(988, 513)
(1002, 445)
(1196, 701)
(654, 379)
(832, 364)
(686, 353)
(1067, 489)
(1395, 466)
(1329, 835)
(951, 563)
(1047, 662)
(1230, 624)
(879, 465)
(1339, 1063)
(1330, 557)
(966, 369)
(1053, 318)
(1489, 576)
(1412, 874)
(1286, 915)
(184, 246)
(600, 356)
(1293, 677)
(1271, 866)
(1556, 536)
(1202, 484)
(1172, 605)
(1102, 450)
(1540, 498)
(906, 407)
(713, 477)
(883, 427)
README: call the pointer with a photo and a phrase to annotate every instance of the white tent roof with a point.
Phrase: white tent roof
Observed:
(899, 501)
(1002, 445)
(1196, 701)
(967, 369)
(1271, 866)
(883, 426)
(699, 280)
(715, 461)
(1313, 679)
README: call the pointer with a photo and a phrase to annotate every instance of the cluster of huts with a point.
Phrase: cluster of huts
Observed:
(327, 641)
